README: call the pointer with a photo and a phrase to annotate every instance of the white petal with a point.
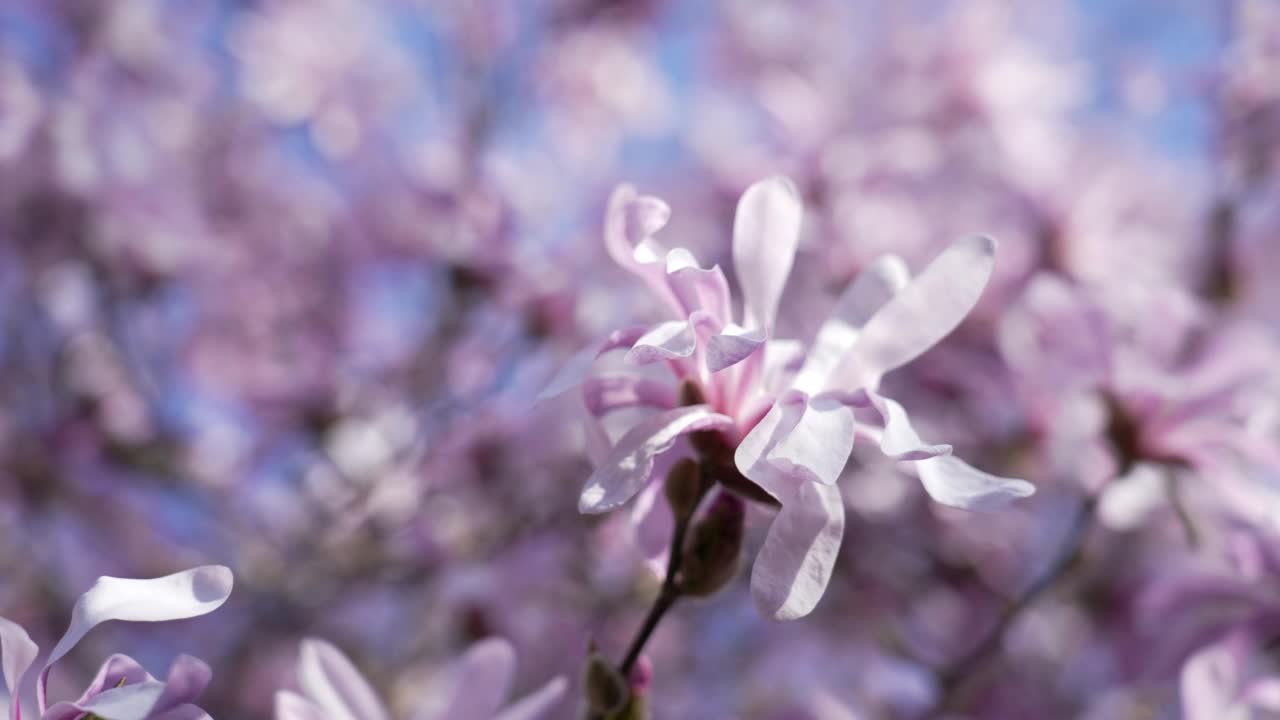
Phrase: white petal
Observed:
(951, 481)
(334, 683)
(766, 231)
(818, 445)
(873, 287)
(630, 463)
(795, 563)
(899, 439)
(537, 704)
(17, 652)
(479, 681)
(924, 312)
(291, 706)
(187, 594)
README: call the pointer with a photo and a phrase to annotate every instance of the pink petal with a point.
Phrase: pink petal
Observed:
(116, 670)
(537, 704)
(924, 312)
(131, 702)
(629, 225)
(697, 288)
(671, 340)
(873, 287)
(630, 464)
(795, 563)
(17, 652)
(1208, 684)
(1263, 694)
(330, 680)
(732, 346)
(766, 231)
(187, 594)
(187, 678)
(578, 367)
(479, 681)
(951, 481)
(604, 394)
(291, 706)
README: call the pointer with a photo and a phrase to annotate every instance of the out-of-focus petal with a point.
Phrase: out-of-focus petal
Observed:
(333, 683)
(653, 523)
(698, 288)
(478, 682)
(291, 706)
(766, 231)
(1208, 684)
(630, 464)
(873, 287)
(537, 704)
(186, 594)
(131, 702)
(951, 481)
(17, 652)
(629, 225)
(578, 367)
(795, 563)
(924, 312)
(188, 677)
(605, 393)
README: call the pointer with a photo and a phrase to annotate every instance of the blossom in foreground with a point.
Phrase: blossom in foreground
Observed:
(791, 414)
(474, 688)
(122, 690)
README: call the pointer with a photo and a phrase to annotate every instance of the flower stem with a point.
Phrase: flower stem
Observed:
(954, 677)
(666, 598)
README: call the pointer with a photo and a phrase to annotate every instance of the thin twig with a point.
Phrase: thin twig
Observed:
(666, 598)
(953, 678)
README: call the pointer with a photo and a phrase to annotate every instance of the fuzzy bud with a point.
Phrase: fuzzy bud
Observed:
(711, 552)
(684, 487)
(605, 689)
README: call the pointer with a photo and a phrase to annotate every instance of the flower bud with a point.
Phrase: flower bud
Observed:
(605, 688)
(711, 552)
(684, 487)
(691, 394)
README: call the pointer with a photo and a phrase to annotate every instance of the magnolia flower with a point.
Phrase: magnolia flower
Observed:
(474, 688)
(792, 415)
(122, 690)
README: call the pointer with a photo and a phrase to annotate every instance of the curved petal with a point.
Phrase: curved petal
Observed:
(188, 677)
(17, 652)
(116, 671)
(899, 440)
(923, 313)
(291, 706)
(1208, 685)
(578, 367)
(731, 346)
(653, 522)
(630, 222)
(817, 446)
(479, 681)
(630, 464)
(873, 287)
(537, 704)
(130, 702)
(672, 340)
(698, 288)
(951, 481)
(795, 563)
(766, 232)
(191, 712)
(330, 680)
(605, 393)
(186, 594)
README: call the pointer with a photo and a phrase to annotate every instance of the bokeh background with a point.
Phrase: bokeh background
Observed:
(281, 279)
